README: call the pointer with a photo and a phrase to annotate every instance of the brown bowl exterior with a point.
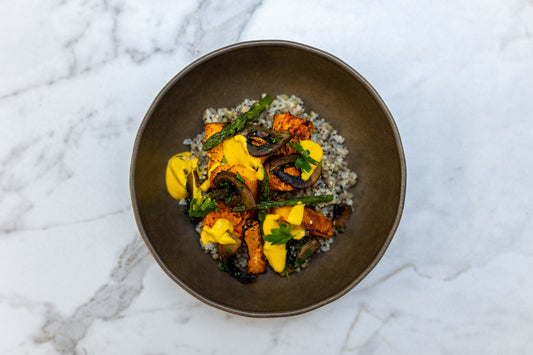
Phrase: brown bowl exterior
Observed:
(328, 86)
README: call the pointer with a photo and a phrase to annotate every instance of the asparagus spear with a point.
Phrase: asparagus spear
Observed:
(238, 124)
(290, 202)
(264, 187)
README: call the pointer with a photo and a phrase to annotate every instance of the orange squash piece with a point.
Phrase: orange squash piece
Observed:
(236, 218)
(217, 153)
(254, 243)
(298, 127)
(275, 183)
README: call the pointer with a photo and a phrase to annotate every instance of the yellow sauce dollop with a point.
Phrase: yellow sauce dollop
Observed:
(219, 233)
(178, 168)
(315, 152)
(205, 185)
(236, 152)
(277, 254)
(296, 214)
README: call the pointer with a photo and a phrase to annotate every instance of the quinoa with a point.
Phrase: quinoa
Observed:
(336, 177)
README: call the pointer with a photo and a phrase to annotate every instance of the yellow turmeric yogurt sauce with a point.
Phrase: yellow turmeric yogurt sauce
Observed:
(236, 152)
(178, 169)
(315, 152)
(276, 254)
(220, 233)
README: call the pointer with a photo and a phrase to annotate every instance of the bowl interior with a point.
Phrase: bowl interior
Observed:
(327, 86)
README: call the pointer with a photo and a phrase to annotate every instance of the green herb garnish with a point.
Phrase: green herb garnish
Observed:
(274, 139)
(224, 161)
(308, 200)
(202, 208)
(279, 235)
(304, 160)
(240, 178)
(229, 196)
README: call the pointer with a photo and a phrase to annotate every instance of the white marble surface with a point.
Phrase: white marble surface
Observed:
(78, 76)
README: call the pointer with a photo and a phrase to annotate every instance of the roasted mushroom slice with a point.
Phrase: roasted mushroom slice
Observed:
(228, 256)
(341, 216)
(238, 273)
(193, 188)
(254, 242)
(224, 179)
(263, 141)
(308, 249)
(226, 251)
(300, 252)
(279, 163)
(193, 183)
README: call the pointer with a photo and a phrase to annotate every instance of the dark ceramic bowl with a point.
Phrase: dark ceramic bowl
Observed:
(328, 86)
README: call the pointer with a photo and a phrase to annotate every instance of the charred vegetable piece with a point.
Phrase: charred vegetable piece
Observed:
(239, 123)
(254, 243)
(290, 202)
(298, 127)
(226, 251)
(264, 187)
(237, 219)
(317, 224)
(193, 182)
(269, 141)
(220, 194)
(197, 205)
(341, 216)
(308, 249)
(275, 183)
(225, 178)
(300, 252)
(297, 181)
(237, 273)
(279, 163)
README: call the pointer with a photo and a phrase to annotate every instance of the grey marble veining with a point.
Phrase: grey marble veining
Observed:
(77, 78)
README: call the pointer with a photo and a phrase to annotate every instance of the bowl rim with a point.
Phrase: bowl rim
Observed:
(312, 50)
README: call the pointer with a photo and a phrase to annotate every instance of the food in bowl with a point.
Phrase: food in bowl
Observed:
(266, 184)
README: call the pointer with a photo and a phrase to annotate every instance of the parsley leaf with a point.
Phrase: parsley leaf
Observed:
(304, 159)
(302, 164)
(274, 139)
(229, 197)
(224, 161)
(202, 208)
(240, 178)
(279, 235)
